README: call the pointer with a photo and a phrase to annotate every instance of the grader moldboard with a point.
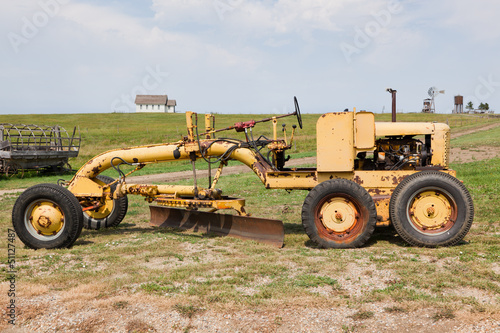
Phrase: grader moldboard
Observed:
(368, 173)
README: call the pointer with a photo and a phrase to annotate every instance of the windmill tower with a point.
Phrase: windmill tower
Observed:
(429, 106)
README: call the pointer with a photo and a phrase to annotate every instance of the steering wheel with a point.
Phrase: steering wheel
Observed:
(297, 112)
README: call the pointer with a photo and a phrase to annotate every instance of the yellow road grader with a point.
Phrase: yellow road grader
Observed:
(367, 174)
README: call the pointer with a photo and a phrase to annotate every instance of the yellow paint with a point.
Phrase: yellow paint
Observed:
(430, 210)
(106, 206)
(338, 214)
(365, 131)
(46, 218)
(335, 142)
(84, 187)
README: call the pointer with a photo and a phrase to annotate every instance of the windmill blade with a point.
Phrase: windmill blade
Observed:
(432, 91)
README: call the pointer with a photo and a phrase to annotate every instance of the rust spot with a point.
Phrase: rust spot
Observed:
(358, 180)
(396, 180)
(376, 191)
(205, 144)
(381, 198)
(44, 221)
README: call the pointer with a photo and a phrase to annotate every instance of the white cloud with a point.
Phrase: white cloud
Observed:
(253, 17)
(479, 20)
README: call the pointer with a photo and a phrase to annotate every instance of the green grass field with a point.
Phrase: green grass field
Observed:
(190, 272)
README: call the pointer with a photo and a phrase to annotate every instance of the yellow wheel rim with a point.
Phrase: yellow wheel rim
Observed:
(338, 214)
(431, 211)
(105, 209)
(46, 218)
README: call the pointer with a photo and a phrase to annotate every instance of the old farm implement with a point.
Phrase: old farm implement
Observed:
(32, 147)
(368, 173)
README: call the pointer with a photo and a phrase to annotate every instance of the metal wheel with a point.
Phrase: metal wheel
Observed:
(339, 214)
(431, 209)
(47, 216)
(111, 212)
(12, 169)
(44, 219)
(66, 168)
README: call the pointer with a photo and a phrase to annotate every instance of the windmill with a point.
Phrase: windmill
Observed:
(429, 106)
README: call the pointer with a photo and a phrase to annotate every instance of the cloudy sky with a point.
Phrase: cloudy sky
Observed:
(247, 56)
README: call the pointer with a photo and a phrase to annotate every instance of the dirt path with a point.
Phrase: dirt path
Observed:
(474, 130)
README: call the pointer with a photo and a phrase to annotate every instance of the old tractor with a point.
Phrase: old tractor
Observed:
(368, 173)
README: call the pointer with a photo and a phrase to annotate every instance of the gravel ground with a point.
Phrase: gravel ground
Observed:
(156, 317)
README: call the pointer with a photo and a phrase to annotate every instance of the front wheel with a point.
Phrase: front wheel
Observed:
(47, 216)
(431, 209)
(339, 214)
(111, 212)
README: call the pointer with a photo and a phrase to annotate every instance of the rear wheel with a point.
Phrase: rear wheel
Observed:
(12, 169)
(47, 216)
(431, 209)
(111, 212)
(339, 214)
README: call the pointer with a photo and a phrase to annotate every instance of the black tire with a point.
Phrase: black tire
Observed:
(110, 215)
(58, 215)
(351, 214)
(431, 209)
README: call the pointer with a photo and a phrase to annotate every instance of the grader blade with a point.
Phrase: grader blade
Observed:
(243, 227)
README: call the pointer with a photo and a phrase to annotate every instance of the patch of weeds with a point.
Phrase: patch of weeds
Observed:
(466, 257)
(158, 288)
(348, 329)
(187, 328)
(138, 326)
(476, 306)
(362, 315)
(307, 252)
(265, 294)
(315, 281)
(187, 310)
(120, 304)
(51, 260)
(443, 314)
(395, 309)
